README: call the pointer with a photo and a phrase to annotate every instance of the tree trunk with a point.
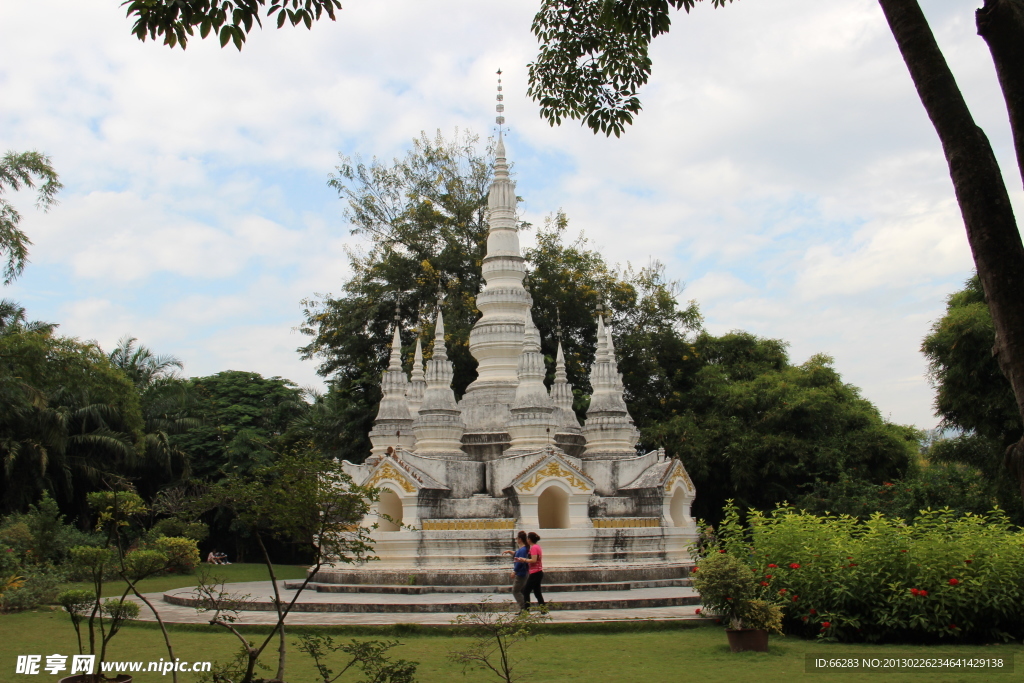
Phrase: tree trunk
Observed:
(1001, 24)
(980, 191)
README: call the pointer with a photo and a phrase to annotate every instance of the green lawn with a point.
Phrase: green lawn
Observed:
(684, 654)
(228, 573)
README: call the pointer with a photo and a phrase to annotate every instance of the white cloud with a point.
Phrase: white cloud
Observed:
(782, 166)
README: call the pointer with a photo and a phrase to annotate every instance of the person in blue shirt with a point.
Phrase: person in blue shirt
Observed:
(520, 568)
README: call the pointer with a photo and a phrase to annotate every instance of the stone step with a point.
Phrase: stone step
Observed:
(641, 598)
(420, 608)
(419, 590)
(498, 576)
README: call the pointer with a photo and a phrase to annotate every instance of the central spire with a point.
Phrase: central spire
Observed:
(496, 339)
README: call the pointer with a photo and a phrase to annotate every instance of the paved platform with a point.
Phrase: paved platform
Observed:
(667, 603)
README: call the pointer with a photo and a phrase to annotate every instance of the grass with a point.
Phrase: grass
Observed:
(629, 656)
(229, 573)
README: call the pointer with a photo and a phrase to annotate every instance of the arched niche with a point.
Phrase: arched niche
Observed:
(553, 508)
(677, 507)
(389, 504)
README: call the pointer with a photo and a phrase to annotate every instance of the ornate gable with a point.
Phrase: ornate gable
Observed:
(409, 478)
(552, 466)
(662, 475)
(676, 473)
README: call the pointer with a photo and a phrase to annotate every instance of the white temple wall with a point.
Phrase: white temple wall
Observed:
(613, 506)
(562, 547)
(474, 507)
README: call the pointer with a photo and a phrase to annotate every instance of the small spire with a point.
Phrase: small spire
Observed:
(558, 328)
(500, 109)
(396, 350)
(602, 336)
(531, 338)
(440, 352)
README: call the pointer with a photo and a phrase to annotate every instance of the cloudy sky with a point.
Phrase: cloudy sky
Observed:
(783, 169)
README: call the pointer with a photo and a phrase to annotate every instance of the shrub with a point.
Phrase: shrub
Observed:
(15, 534)
(9, 563)
(182, 553)
(173, 527)
(41, 586)
(942, 577)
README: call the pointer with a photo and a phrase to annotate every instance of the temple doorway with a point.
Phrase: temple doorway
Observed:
(553, 508)
(677, 508)
(391, 505)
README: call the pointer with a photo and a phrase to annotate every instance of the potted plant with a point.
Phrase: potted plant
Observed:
(729, 590)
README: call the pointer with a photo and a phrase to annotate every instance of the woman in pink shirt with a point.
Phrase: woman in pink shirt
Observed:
(535, 562)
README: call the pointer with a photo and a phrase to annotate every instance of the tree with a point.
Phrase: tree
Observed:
(424, 217)
(749, 425)
(231, 20)
(169, 408)
(19, 170)
(238, 422)
(304, 498)
(497, 631)
(70, 418)
(973, 397)
(594, 57)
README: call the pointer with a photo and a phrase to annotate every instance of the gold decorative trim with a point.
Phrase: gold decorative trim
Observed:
(467, 524)
(553, 469)
(626, 522)
(680, 473)
(389, 471)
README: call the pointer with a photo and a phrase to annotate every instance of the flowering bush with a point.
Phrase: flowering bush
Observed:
(943, 576)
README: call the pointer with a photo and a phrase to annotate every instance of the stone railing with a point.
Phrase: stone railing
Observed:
(467, 524)
(625, 522)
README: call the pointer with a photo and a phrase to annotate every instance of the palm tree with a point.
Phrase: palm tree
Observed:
(141, 365)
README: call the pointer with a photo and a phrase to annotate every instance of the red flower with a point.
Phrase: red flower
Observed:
(697, 611)
(903, 551)
(849, 557)
(764, 583)
(795, 598)
(952, 627)
(923, 593)
(768, 576)
(728, 598)
(965, 561)
(853, 564)
(695, 569)
(772, 566)
(795, 565)
(825, 625)
(954, 582)
(722, 551)
(782, 591)
(887, 483)
(804, 618)
(814, 611)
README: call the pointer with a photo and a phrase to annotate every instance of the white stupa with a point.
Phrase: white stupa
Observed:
(461, 476)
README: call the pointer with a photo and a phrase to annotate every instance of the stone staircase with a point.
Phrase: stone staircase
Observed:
(363, 595)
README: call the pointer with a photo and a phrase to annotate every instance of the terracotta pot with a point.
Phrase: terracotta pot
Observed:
(747, 639)
(83, 678)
